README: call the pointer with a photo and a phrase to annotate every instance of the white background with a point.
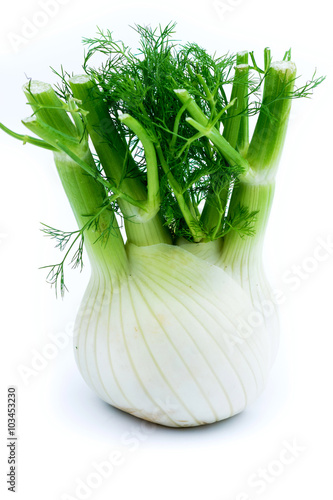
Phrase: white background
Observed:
(63, 428)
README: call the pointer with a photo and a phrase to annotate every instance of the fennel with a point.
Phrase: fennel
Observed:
(160, 139)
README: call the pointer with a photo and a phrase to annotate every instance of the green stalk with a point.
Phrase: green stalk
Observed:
(86, 196)
(212, 216)
(27, 139)
(153, 185)
(256, 190)
(230, 154)
(185, 205)
(112, 153)
(107, 142)
(51, 122)
(200, 122)
(268, 58)
(237, 251)
(243, 135)
(76, 150)
(83, 188)
(269, 134)
(191, 106)
(48, 108)
(234, 117)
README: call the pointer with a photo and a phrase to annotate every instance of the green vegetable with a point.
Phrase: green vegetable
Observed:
(159, 140)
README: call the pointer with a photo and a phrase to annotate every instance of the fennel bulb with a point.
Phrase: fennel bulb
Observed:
(178, 324)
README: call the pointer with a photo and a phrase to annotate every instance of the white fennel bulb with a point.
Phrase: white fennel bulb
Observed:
(163, 343)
